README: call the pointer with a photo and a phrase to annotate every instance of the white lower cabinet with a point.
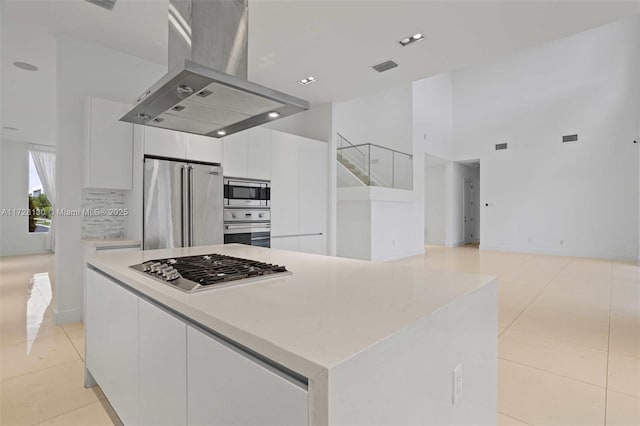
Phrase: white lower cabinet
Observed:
(286, 243)
(225, 387)
(163, 367)
(111, 322)
(314, 244)
(156, 369)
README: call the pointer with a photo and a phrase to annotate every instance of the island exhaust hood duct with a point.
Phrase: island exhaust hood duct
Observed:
(206, 91)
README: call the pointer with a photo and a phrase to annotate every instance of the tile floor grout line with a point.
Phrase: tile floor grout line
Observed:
(64, 330)
(552, 372)
(40, 370)
(606, 378)
(533, 300)
(514, 418)
(66, 412)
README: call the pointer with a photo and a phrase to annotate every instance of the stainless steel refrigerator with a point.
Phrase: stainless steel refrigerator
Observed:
(182, 204)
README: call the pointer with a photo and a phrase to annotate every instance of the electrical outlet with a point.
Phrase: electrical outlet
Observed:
(457, 384)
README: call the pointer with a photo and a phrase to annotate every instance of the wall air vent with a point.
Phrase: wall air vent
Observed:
(570, 138)
(105, 4)
(500, 146)
(385, 66)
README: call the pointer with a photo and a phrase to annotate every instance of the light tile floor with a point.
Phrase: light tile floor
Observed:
(569, 345)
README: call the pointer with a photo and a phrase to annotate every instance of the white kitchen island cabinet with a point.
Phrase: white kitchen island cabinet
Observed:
(228, 388)
(111, 348)
(336, 342)
(163, 367)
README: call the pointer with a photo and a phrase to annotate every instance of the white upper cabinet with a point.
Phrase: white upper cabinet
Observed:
(164, 143)
(235, 154)
(108, 145)
(181, 146)
(247, 154)
(284, 184)
(203, 148)
(259, 154)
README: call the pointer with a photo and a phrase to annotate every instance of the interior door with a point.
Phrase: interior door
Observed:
(163, 204)
(468, 212)
(205, 205)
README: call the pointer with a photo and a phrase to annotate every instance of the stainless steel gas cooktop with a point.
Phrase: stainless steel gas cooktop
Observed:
(195, 273)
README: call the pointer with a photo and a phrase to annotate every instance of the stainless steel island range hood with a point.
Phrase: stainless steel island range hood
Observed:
(206, 90)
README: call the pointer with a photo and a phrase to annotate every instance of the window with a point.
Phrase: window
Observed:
(39, 205)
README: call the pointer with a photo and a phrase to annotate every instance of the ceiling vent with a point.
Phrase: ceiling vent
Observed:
(500, 146)
(569, 138)
(105, 4)
(385, 66)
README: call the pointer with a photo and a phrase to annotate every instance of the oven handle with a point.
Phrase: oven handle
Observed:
(239, 229)
(248, 225)
(260, 238)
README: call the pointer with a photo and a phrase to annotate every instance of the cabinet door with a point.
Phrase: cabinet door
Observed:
(109, 150)
(111, 322)
(225, 387)
(284, 184)
(203, 148)
(286, 243)
(259, 153)
(312, 194)
(314, 244)
(234, 154)
(164, 143)
(163, 367)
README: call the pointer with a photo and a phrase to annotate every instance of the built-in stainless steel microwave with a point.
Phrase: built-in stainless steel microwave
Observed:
(240, 192)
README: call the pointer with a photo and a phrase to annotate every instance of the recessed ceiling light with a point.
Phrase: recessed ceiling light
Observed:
(412, 39)
(221, 132)
(10, 128)
(308, 80)
(25, 66)
(274, 114)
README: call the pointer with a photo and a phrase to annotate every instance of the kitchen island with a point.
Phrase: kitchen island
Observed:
(338, 341)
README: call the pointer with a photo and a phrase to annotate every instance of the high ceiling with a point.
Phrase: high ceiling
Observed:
(335, 41)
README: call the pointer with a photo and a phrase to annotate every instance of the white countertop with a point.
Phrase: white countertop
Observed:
(328, 310)
(111, 243)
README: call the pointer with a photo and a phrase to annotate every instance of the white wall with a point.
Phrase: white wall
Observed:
(433, 129)
(576, 199)
(432, 114)
(15, 238)
(396, 222)
(84, 69)
(434, 205)
(383, 118)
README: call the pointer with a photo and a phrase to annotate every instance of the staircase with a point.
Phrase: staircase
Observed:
(373, 165)
(357, 172)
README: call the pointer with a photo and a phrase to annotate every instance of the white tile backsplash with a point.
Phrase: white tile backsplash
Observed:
(99, 220)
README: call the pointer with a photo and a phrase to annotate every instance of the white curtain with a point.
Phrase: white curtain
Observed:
(45, 162)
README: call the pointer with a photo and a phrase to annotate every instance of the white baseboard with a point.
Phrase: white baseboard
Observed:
(66, 317)
(455, 244)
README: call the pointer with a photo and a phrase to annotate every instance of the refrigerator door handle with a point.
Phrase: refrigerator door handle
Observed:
(190, 205)
(183, 185)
